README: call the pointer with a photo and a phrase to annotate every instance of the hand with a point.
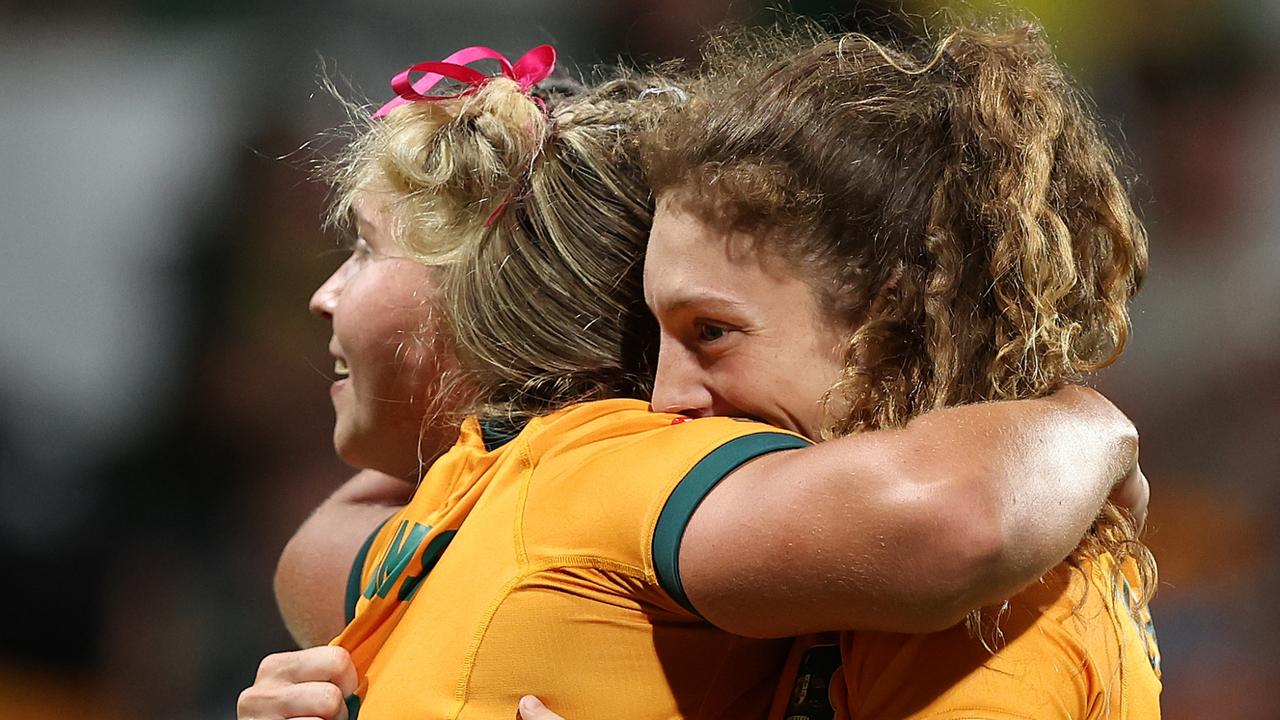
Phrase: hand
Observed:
(531, 708)
(312, 683)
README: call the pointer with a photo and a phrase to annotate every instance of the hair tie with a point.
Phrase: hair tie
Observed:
(532, 68)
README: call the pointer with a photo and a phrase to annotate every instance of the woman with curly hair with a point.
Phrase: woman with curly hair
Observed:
(951, 219)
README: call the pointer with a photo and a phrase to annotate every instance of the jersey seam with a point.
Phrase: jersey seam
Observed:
(463, 686)
(526, 480)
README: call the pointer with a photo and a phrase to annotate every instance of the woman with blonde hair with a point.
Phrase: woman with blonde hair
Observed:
(530, 227)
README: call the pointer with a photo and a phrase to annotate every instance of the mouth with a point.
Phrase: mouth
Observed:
(340, 367)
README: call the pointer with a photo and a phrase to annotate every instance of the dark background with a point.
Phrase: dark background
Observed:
(165, 426)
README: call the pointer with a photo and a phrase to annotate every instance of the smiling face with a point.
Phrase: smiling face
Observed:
(741, 334)
(388, 353)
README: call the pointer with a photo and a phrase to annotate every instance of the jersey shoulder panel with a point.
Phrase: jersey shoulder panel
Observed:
(599, 485)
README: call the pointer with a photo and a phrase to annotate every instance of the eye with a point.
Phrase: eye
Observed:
(360, 251)
(708, 332)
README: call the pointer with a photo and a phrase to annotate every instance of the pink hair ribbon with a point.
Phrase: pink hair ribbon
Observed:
(532, 68)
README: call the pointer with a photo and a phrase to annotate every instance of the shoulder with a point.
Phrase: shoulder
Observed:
(638, 444)
(622, 482)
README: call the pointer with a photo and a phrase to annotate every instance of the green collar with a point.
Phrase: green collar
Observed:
(496, 432)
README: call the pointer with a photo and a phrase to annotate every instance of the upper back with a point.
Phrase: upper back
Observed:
(1070, 648)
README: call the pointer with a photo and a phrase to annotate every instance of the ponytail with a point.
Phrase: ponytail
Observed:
(1037, 183)
(446, 166)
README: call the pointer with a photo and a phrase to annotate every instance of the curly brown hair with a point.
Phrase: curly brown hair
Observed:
(956, 201)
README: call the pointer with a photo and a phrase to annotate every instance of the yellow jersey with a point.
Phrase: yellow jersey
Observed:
(1071, 649)
(560, 578)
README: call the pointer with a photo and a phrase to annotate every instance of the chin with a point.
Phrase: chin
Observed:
(368, 456)
(351, 450)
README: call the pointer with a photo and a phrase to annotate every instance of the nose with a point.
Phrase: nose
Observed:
(325, 299)
(680, 384)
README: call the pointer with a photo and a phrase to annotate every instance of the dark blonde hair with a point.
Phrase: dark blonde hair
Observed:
(956, 201)
(537, 220)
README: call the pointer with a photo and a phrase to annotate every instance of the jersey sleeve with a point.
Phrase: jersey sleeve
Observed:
(692, 489)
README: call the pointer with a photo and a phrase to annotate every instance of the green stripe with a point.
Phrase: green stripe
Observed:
(691, 490)
(430, 556)
(353, 578)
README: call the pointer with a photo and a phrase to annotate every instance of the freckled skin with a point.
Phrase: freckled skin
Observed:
(382, 304)
(741, 334)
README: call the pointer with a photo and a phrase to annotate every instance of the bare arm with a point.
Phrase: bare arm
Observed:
(311, 578)
(905, 530)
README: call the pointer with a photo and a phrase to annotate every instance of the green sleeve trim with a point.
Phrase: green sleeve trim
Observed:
(357, 567)
(691, 490)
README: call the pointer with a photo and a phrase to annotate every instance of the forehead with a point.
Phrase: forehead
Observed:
(682, 252)
(370, 208)
(372, 214)
(686, 253)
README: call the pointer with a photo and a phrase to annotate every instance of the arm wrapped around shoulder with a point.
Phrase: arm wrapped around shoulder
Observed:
(905, 530)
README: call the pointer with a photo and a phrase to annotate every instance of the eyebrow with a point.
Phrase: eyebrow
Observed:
(361, 220)
(702, 298)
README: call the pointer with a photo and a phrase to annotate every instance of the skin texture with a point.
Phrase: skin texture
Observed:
(381, 304)
(741, 335)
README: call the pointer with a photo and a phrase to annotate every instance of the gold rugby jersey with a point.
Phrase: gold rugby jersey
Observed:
(549, 565)
(1073, 649)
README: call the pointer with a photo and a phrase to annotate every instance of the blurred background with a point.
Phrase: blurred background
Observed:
(166, 425)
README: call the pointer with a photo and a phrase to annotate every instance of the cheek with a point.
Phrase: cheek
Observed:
(752, 385)
(414, 351)
(426, 364)
(390, 315)
(423, 364)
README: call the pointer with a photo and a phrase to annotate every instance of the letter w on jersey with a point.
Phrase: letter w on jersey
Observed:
(400, 554)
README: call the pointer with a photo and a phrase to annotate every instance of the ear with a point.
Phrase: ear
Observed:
(886, 292)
